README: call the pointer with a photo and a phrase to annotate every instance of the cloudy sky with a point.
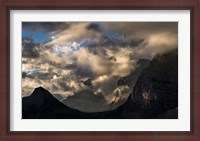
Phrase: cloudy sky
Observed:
(90, 66)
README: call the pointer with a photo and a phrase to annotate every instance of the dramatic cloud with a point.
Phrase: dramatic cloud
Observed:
(76, 32)
(141, 29)
(157, 44)
(29, 48)
(159, 37)
(50, 27)
(92, 67)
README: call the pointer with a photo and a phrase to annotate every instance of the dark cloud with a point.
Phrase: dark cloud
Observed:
(157, 37)
(87, 82)
(29, 48)
(81, 71)
(30, 52)
(51, 27)
(84, 71)
(132, 28)
(94, 26)
(24, 74)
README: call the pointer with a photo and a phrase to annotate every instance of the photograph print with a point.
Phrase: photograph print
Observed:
(99, 70)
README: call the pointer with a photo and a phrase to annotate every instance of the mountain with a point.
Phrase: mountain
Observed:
(70, 47)
(41, 104)
(87, 101)
(155, 95)
(108, 38)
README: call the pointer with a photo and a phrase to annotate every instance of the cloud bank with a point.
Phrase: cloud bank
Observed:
(87, 63)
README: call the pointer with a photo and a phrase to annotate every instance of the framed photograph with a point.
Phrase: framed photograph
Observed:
(100, 70)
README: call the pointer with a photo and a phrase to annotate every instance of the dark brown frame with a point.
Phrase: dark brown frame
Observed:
(7, 5)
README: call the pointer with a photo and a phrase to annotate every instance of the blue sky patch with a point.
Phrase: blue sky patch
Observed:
(38, 35)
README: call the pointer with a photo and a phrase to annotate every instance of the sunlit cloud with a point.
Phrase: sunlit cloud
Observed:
(83, 62)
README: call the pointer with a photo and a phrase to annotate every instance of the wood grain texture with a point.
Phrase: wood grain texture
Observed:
(7, 5)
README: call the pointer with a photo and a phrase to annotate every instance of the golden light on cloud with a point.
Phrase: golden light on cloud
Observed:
(99, 59)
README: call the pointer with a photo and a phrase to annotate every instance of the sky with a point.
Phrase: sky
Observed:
(38, 36)
(90, 66)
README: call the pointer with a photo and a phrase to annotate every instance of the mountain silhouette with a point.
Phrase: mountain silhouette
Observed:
(41, 104)
(155, 95)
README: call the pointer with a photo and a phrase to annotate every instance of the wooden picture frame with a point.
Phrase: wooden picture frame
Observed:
(8, 5)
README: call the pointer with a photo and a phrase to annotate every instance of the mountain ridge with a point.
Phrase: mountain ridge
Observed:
(155, 95)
